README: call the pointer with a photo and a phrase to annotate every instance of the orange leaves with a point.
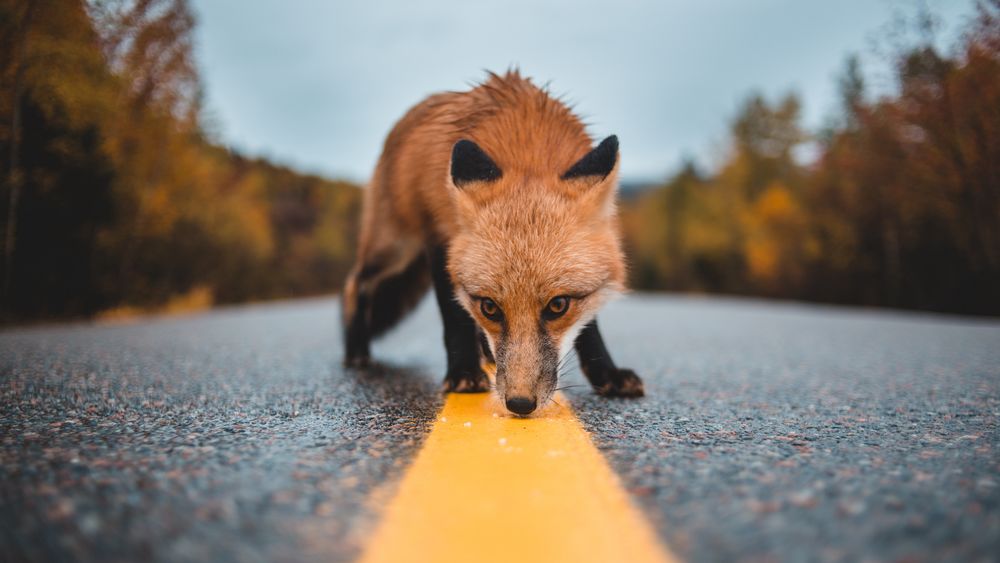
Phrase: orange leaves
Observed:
(900, 209)
(778, 243)
(125, 205)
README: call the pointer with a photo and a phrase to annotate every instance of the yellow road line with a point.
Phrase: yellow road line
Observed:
(486, 487)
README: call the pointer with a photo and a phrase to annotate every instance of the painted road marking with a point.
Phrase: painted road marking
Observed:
(486, 487)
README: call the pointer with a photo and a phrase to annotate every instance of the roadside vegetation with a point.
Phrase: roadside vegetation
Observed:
(901, 208)
(115, 199)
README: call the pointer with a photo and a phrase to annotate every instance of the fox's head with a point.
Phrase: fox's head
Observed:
(535, 256)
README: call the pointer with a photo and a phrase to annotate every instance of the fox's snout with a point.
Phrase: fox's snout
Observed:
(527, 365)
(525, 399)
(521, 405)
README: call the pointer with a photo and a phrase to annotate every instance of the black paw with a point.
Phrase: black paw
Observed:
(621, 383)
(359, 361)
(468, 381)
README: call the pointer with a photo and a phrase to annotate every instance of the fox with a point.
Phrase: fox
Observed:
(497, 198)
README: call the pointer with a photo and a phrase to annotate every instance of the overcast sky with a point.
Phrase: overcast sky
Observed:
(317, 84)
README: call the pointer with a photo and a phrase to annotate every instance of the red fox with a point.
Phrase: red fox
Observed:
(495, 196)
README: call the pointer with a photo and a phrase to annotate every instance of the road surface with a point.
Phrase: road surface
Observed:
(771, 432)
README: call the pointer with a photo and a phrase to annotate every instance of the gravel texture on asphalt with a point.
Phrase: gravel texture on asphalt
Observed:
(784, 432)
(770, 431)
(233, 435)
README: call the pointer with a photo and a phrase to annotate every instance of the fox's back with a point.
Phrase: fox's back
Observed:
(526, 131)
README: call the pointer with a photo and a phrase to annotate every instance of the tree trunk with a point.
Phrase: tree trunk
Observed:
(15, 176)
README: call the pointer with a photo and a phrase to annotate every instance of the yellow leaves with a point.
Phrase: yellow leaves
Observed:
(159, 210)
(62, 66)
(762, 258)
(777, 238)
(149, 46)
(120, 169)
(329, 234)
(713, 235)
(237, 216)
(709, 229)
(199, 298)
(645, 227)
(775, 206)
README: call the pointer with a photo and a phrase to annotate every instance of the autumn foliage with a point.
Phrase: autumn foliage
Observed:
(901, 209)
(114, 198)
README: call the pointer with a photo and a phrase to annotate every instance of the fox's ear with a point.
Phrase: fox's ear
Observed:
(596, 164)
(470, 164)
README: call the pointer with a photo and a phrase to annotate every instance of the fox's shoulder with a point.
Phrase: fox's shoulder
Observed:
(519, 124)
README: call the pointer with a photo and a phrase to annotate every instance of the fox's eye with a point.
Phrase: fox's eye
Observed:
(489, 308)
(557, 307)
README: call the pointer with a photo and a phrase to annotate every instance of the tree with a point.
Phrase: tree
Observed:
(121, 202)
(899, 210)
(16, 41)
(54, 68)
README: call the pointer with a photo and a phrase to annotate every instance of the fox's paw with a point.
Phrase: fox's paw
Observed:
(359, 361)
(621, 383)
(466, 382)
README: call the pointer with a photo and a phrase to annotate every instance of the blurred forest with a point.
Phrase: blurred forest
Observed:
(113, 196)
(901, 209)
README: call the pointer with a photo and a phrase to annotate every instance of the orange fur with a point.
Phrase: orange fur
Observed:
(520, 240)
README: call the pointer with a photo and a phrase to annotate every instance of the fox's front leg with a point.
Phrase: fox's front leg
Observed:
(461, 339)
(600, 369)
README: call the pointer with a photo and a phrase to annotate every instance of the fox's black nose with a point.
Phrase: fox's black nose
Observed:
(520, 405)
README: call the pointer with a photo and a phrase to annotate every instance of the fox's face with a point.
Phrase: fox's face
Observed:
(533, 261)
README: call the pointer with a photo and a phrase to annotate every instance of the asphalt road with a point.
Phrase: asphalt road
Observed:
(770, 432)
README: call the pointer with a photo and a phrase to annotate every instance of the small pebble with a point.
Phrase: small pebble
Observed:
(444, 419)
(467, 425)
(502, 441)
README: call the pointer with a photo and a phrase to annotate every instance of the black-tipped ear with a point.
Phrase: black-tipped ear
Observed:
(597, 163)
(470, 164)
